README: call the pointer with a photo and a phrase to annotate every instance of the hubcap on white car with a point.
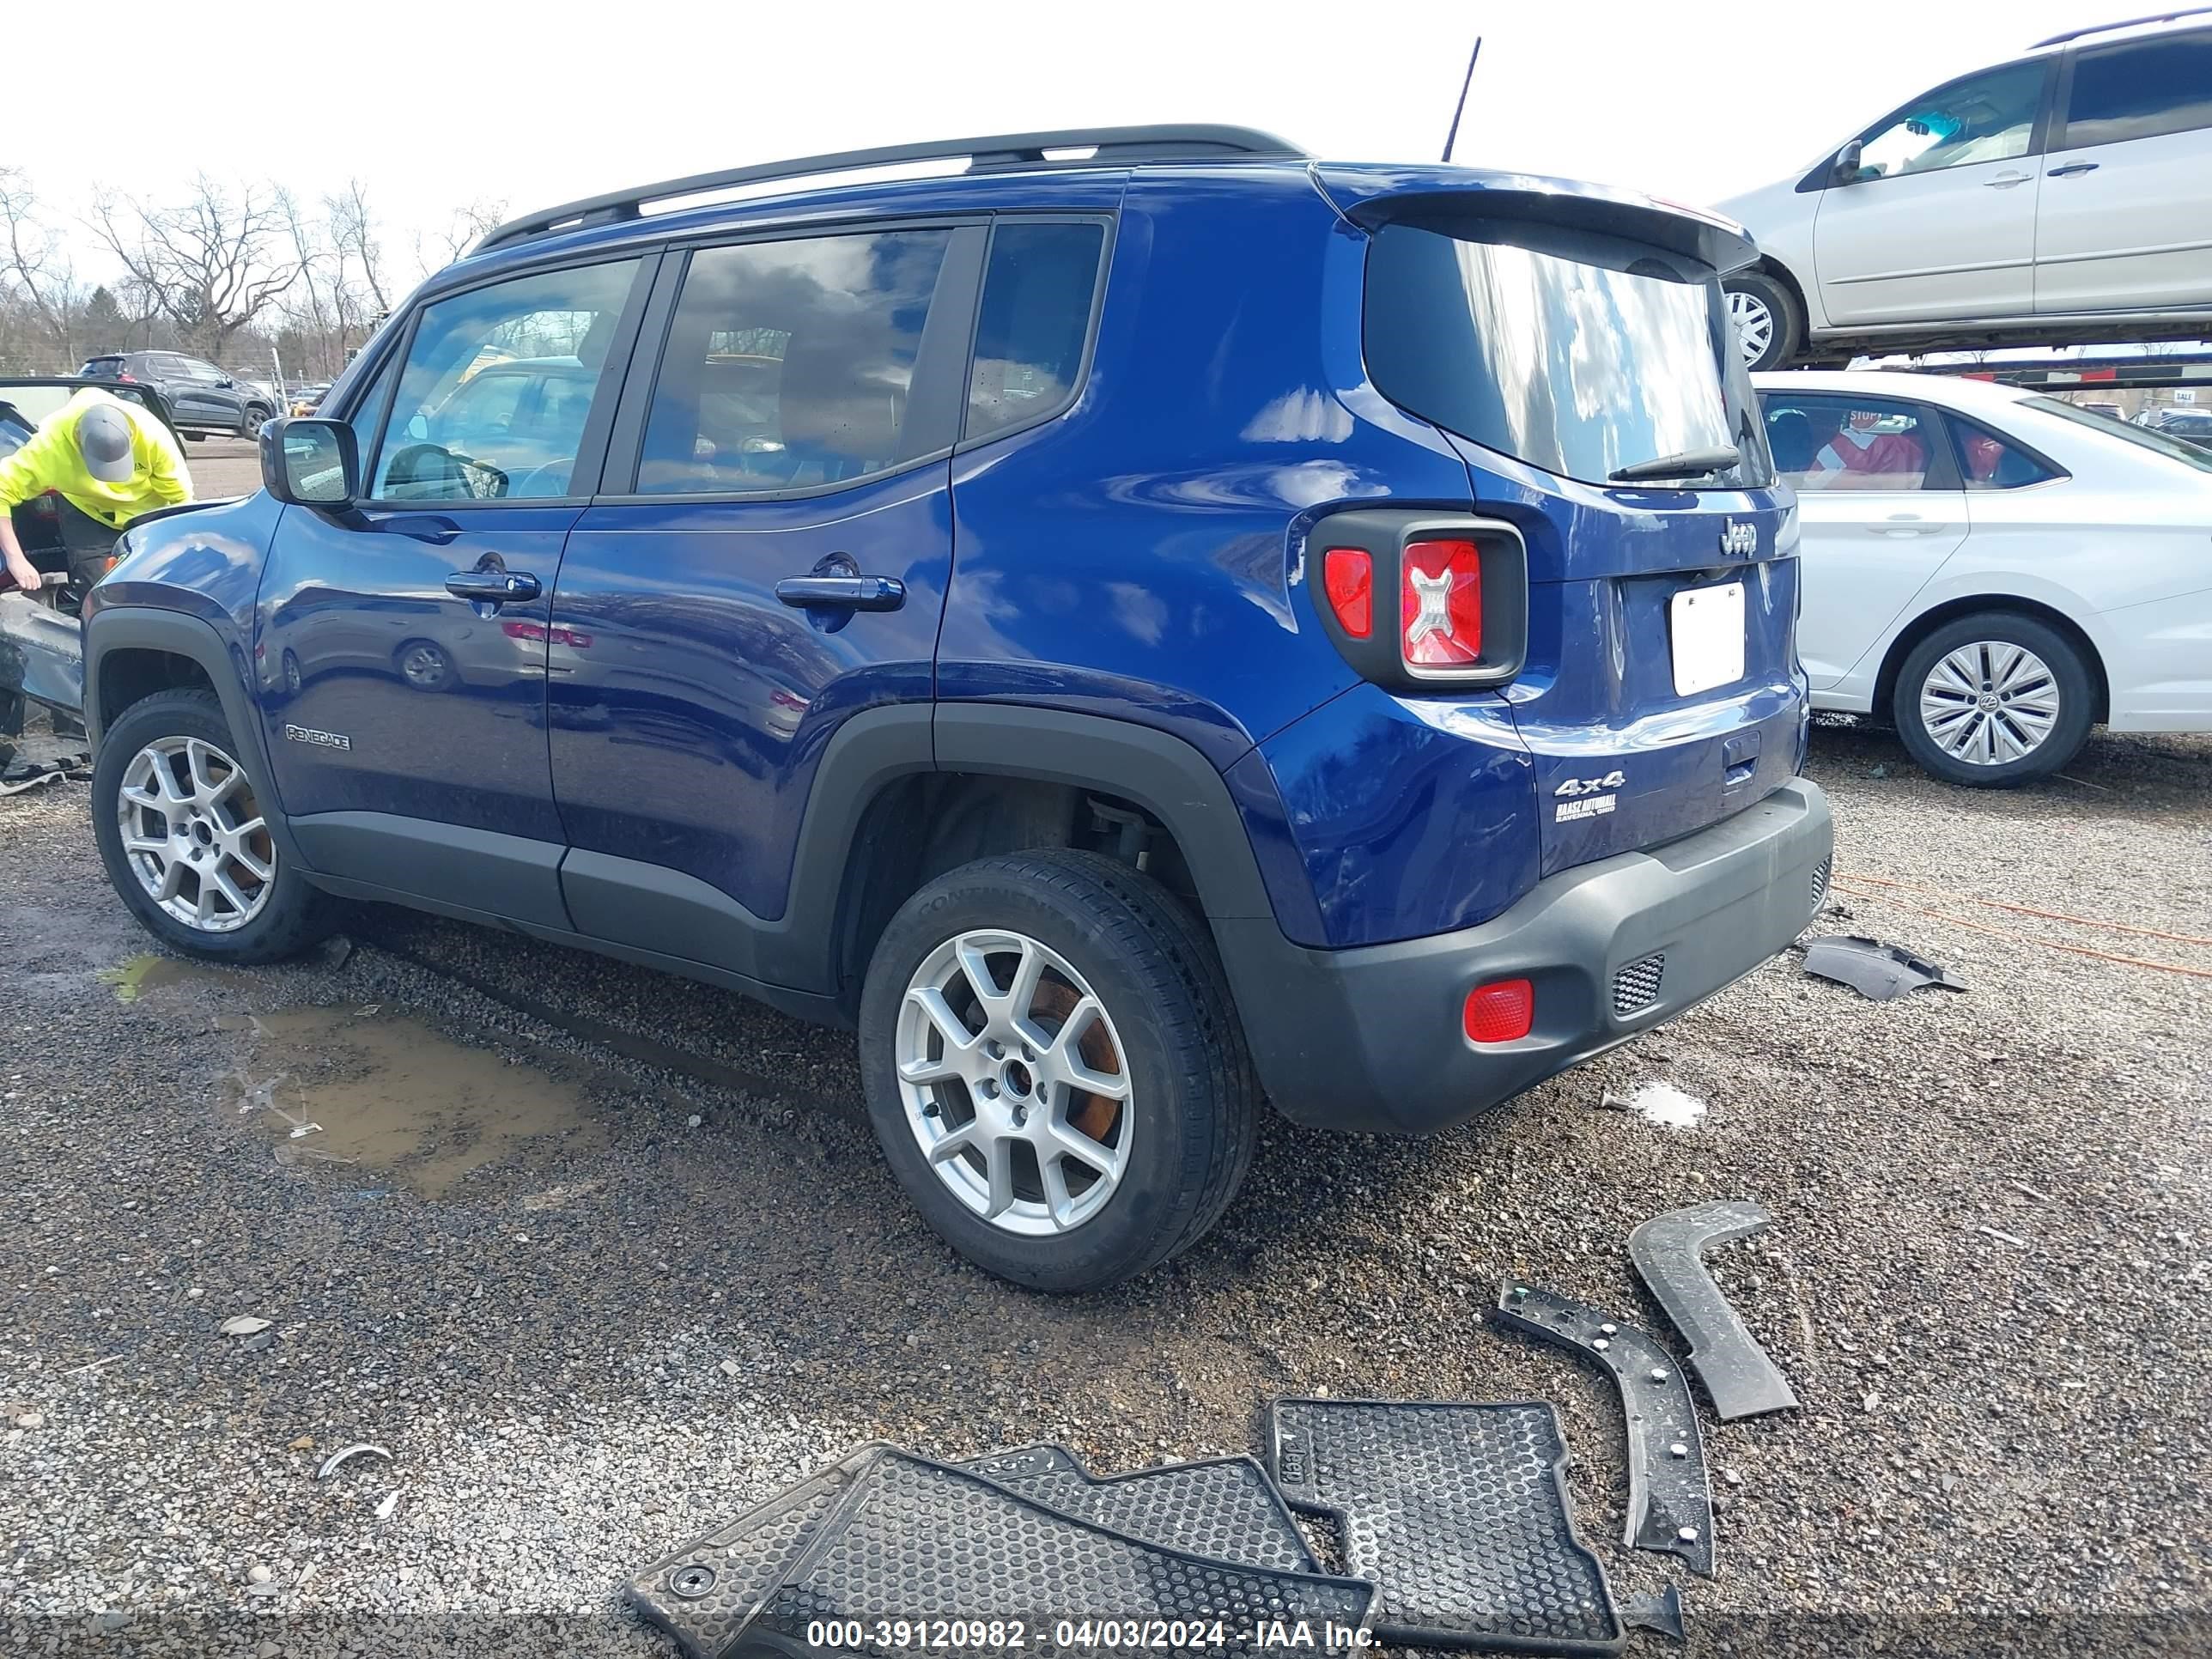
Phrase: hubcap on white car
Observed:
(194, 835)
(1754, 324)
(1015, 1082)
(1989, 703)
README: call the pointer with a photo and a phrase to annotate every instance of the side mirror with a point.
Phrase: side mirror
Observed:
(1847, 164)
(311, 463)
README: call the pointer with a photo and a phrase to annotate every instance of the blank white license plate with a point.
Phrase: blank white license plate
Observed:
(1708, 629)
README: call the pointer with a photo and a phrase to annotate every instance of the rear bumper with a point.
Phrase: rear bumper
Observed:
(1372, 1039)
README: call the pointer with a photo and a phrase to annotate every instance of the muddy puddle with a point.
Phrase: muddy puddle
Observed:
(376, 1091)
(388, 1093)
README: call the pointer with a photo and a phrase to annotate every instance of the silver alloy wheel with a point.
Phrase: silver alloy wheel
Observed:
(1015, 1082)
(1990, 703)
(1754, 324)
(194, 835)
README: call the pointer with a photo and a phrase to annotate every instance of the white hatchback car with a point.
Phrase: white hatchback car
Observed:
(2063, 197)
(1994, 570)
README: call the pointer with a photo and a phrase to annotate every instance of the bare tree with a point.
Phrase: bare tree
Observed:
(353, 232)
(210, 265)
(33, 263)
(435, 249)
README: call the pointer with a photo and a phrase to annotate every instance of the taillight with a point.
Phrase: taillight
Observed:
(1348, 575)
(534, 632)
(1423, 600)
(1500, 1011)
(126, 374)
(1440, 604)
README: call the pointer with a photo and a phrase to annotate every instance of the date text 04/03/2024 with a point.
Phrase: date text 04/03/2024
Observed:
(1095, 1636)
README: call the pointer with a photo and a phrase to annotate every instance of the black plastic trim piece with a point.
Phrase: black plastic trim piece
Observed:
(510, 876)
(1670, 1500)
(1162, 774)
(111, 628)
(1739, 1378)
(1384, 533)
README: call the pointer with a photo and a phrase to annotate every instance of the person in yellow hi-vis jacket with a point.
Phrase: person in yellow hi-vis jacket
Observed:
(107, 460)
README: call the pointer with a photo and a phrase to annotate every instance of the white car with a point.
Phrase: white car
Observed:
(2065, 195)
(1994, 570)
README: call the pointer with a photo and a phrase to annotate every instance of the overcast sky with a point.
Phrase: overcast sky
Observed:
(434, 105)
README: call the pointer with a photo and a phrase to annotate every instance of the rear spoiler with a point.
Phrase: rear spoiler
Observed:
(1371, 195)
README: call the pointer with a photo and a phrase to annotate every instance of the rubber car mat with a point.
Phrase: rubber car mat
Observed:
(932, 1544)
(702, 1594)
(1670, 1496)
(1458, 1511)
(1224, 1507)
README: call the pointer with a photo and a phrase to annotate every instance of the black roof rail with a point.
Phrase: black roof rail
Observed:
(1167, 143)
(2129, 23)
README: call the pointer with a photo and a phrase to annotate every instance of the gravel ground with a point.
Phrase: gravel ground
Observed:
(1989, 1282)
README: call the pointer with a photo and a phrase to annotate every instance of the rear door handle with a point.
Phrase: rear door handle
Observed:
(1906, 524)
(492, 586)
(837, 593)
(2006, 180)
(2073, 167)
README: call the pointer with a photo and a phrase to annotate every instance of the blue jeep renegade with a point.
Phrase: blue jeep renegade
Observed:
(1146, 622)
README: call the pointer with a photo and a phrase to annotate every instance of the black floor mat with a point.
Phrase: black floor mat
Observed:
(1223, 1507)
(1459, 1513)
(923, 1541)
(703, 1594)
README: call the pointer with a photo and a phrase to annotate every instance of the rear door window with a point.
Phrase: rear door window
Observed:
(1579, 354)
(1036, 318)
(1987, 461)
(2142, 90)
(789, 365)
(476, 359)
(1842, 443)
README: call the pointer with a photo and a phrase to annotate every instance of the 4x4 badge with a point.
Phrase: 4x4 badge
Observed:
(1740, 541)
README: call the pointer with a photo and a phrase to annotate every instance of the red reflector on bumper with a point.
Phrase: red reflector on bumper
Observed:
(1500, 1011)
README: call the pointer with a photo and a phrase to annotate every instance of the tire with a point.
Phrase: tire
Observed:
(186, 730)
(195, 437)
(1182, 1130)
(1765, 314)
(250, 423)
(1964, 702)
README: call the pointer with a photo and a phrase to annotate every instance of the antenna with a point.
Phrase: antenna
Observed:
(1458, 109)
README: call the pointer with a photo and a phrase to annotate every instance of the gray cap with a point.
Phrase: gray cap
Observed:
(103, 438)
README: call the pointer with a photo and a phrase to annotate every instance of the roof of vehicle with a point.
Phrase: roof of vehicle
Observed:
(1034, 169)
(1954, 390)
(2128, 28)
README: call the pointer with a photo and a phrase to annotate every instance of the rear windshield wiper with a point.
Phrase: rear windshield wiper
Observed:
(1690, 464)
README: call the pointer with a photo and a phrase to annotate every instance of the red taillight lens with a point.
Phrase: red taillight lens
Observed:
(125, 375)
(1348, 574)
(1440, 604)
(1500, 1011)
(523, 630)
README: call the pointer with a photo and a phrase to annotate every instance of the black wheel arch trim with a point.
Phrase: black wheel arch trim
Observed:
(113, 629)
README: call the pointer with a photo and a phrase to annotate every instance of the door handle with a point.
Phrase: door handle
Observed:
(492, 586)
(2006, 180)
(838, 593)
(1907, 525)
(2073, 167)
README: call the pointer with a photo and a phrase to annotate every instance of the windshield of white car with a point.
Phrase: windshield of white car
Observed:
(2142, 437)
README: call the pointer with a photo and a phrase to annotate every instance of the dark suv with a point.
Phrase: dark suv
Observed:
(202, 398)
(1131, 632)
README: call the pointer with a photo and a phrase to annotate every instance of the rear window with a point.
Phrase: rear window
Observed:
(1579, 354)
(102, 368)
(2142, 437)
